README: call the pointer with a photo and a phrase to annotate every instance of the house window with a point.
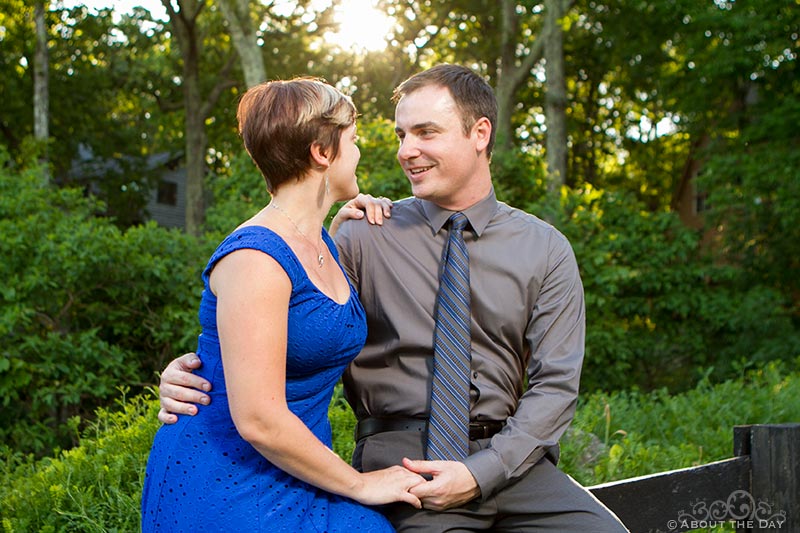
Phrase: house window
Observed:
(167, 193)
(700, 203)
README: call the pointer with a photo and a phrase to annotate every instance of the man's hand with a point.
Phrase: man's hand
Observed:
(452, 484)
(375, 209)
(180, 389)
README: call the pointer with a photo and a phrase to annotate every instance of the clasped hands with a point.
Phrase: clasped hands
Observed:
(451, 484)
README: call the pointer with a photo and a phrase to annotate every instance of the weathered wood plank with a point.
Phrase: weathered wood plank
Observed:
(657, 502)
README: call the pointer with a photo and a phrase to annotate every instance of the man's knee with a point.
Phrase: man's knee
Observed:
(548, 499)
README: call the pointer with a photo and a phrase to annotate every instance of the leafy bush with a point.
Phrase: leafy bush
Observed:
(627, 434)
(85, 307)
(238, 195)
(659, 313)
(520, 179)
(95, 487)
(753, 189)
(379, 173)
(343, 424)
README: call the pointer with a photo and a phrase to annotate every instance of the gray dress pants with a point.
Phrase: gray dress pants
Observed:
(545, 499)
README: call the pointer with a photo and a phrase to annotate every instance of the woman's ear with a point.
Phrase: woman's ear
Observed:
(319, 156)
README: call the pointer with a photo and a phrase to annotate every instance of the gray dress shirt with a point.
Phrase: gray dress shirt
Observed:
(527, 314)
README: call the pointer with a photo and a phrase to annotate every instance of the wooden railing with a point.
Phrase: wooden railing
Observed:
(758, 490)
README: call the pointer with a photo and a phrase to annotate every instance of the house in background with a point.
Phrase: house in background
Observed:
(135, 189)
(167, 202)
(688, 200)
(691, 201)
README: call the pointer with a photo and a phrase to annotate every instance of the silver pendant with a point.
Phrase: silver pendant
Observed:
(320, 260)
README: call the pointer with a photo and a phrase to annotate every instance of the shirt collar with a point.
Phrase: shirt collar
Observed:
(478, 214)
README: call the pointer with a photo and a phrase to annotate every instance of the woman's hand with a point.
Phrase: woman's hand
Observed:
(375, 209)
(387, 486)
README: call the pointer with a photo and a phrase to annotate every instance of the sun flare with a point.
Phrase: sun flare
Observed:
(362, 27)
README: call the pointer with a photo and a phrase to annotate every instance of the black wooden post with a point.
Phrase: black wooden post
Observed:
(775, 478)
(742, 438)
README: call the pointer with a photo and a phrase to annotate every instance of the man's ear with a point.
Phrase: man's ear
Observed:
(482, 130)
(319, 156)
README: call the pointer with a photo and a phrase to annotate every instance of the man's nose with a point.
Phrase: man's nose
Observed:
(408, 149)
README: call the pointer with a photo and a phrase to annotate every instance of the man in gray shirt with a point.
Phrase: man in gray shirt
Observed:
(526, 320)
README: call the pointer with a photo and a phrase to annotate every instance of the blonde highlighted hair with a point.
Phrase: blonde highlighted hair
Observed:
(279, 121)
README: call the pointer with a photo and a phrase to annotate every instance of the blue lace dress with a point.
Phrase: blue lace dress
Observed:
(202, 476)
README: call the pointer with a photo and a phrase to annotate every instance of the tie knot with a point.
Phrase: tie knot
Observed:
(458, 221)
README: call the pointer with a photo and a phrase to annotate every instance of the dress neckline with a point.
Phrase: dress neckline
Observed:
(303, 268)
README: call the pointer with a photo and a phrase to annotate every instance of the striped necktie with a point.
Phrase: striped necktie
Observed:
(448, 427)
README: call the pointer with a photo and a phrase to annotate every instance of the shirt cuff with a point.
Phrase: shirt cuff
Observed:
(488, 471)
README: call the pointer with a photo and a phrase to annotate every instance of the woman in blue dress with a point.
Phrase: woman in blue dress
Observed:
(280, 322)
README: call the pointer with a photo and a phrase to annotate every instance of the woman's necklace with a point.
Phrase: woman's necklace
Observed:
(320, 258)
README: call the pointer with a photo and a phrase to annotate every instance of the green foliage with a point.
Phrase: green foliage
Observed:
(627, 434)
(343, 423)
(95, 487)
(93, 102)
(239, 193)
(657, 310)
(519, 178)
(754, 199)
(85, 307)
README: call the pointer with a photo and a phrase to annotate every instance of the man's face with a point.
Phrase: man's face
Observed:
(438, 158)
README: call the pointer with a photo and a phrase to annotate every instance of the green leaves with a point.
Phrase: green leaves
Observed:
(86, 307)
(658, 309)
(657, 431)
(95, 487)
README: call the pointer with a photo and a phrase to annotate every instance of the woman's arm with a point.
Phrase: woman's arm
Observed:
(252, 313)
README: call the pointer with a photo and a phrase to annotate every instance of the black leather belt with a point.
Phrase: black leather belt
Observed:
(371, 426)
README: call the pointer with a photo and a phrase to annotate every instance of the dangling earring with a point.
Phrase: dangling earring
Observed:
(327, 187)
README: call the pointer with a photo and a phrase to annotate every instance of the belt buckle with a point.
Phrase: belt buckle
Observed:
(476, 426)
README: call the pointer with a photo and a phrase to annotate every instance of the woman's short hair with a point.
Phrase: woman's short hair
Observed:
(472, 95)
(280, 120)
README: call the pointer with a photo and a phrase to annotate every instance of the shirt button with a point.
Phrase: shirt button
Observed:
(475, 375)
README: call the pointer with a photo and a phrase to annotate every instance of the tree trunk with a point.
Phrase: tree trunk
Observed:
(505, 88)
(196, 108)
(184, 23)
(196, 142)
(41, 99)
(245, 39)
(555, 96)
(512, 73)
